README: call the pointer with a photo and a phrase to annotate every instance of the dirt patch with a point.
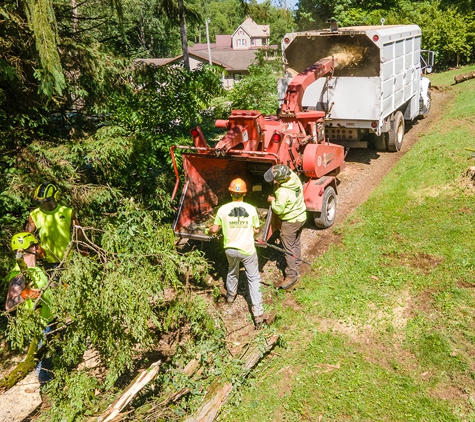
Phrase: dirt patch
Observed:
(450, 392)
(467, 180)
(422, 262)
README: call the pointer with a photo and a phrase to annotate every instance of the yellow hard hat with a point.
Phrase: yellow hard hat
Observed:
(23, 240)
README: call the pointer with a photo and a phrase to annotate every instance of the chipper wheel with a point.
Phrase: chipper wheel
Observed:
(326, 218)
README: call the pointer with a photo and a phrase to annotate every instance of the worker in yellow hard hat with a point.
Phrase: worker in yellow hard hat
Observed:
(27, 248)
(239, 223)
(26, 283)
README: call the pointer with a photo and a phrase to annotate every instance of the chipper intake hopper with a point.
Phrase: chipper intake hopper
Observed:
(253, 143)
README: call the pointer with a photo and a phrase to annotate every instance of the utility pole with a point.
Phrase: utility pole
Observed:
(207, 40)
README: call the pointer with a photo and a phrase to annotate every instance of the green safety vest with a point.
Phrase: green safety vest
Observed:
(55, 231)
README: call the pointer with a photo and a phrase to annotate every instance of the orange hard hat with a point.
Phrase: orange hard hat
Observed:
(238, 186)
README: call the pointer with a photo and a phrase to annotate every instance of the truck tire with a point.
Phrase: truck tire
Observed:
(396, 132)
(326, 218)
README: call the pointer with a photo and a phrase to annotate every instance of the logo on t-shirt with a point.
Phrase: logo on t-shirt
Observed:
(62, 217)
(238, 212)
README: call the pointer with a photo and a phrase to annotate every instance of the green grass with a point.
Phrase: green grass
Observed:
(386, 329)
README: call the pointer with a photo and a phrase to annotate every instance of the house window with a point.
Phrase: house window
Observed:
(253, 41)
(237, 77)
(241, 42)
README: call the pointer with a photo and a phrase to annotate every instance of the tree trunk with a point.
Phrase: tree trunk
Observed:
(464, 77)
(75, 15)
(184, 38)
(131, 391)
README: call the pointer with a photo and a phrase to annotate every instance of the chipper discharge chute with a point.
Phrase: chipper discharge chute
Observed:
(253, 143)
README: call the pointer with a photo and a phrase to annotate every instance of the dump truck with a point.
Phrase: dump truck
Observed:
(252, 144)
(377, 87)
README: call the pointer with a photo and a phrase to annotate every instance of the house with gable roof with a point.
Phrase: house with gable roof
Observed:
(234, 53)
(250, 35)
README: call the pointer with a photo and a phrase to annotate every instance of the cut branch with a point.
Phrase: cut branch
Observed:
(126, 397)
(219, 392)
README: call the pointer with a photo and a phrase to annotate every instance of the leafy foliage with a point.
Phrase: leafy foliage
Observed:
(257, 91)
(447, 28)
(117, 301)
(43, 23)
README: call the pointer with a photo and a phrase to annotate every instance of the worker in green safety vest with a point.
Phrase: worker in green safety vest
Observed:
(53, 222)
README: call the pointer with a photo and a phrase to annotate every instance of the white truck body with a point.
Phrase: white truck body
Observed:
(378, 74)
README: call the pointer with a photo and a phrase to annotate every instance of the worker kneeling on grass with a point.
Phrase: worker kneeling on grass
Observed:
(239, 222)
(289, 205)
(24, 286)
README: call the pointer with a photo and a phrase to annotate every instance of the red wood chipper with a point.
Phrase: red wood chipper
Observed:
(254, 142)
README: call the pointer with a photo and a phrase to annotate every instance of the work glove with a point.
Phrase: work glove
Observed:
(29, 293)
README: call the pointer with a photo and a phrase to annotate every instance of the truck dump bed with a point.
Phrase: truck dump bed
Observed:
(378, 72)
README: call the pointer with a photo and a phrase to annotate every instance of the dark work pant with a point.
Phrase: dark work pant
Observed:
(290, 235)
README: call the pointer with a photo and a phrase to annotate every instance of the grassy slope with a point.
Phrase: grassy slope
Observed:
(386, 327)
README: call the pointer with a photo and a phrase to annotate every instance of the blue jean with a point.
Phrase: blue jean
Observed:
(251, 266)
(44, 368)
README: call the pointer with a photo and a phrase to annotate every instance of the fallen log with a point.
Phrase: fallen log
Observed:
(464, 77)
(219, 392)
(126, 397)
(23, 368)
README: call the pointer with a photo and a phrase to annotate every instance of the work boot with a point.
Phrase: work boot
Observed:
(289, 282)
(265, 318)
(230, 299)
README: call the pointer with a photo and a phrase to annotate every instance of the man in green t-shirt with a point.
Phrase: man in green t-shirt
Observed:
(239, 222)
(53, 223)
